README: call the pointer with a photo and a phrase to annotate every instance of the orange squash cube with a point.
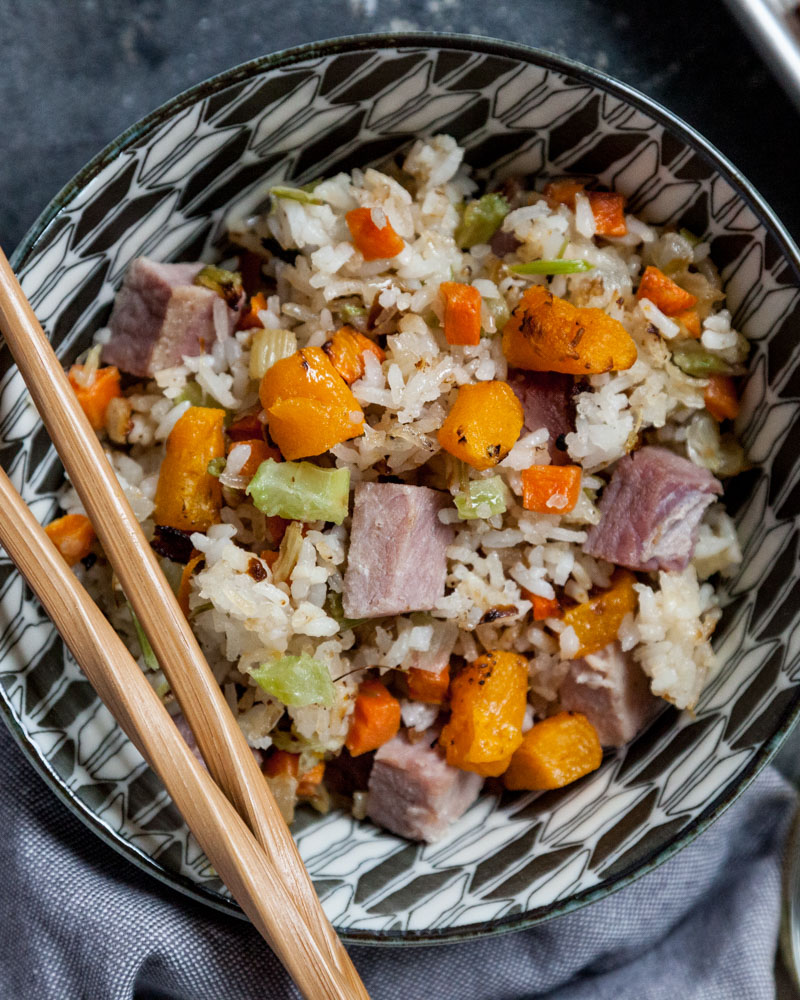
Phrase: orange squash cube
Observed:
(187, 495)
(547, 334)
(309, 406)
(346, 351)
(597, 621)
(483, 424)
(488, 701)
(73, 536)
(554, 753)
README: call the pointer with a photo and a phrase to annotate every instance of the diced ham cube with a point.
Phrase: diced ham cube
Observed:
(548, 400)
(414, 792)
(503, 242)
(651, 510)
(396, 562)
(611, 690)
(159, 316)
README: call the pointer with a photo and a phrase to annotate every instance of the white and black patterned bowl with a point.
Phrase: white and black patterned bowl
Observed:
(162, 189)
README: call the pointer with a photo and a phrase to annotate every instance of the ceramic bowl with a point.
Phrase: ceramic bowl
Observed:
(163, 189)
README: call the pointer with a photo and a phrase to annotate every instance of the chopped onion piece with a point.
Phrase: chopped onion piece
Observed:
(270, 345)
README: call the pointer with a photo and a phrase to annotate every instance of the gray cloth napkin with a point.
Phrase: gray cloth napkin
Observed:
(78, 921)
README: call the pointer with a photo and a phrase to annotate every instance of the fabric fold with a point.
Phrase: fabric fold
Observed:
(80, 921)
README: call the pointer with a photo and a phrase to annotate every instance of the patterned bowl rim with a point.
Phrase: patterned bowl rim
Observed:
(412, 39)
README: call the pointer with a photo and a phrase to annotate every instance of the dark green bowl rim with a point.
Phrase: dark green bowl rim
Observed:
(415, 40)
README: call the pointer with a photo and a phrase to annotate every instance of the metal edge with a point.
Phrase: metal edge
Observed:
(775, 33)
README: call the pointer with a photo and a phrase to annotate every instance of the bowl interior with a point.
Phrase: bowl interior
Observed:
(164, 189)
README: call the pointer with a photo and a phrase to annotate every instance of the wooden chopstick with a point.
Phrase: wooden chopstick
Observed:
(115, 675)
(218, 736)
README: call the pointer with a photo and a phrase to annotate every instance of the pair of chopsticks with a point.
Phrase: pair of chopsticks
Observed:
(241, 831)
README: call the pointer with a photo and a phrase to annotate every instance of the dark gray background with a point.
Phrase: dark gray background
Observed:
(75, 73)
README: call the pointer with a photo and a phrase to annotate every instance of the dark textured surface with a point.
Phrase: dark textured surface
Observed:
(75, 73)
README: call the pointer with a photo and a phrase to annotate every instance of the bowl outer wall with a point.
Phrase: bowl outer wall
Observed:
(138, 133)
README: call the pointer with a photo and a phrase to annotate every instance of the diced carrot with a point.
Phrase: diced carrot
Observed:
(250, 318)
(375, 719)
(346, 350)
(462, 313)
(246, 428)
(95, 397)
(691, 320)
(281, 762)
(721, 398)
(309, 782)
(596, 622)
(375, 241)
(73, 536)
(608, 209)
(554, 753)
(260, 451)
(427, 686)
(664, 293)
(543, 607)
(563, 192)
(185, 586)
(551, 489)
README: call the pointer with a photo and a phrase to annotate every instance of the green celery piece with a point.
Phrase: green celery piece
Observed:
(693, 359)
(227, 284)
(292, 743)
(147, 650)
(334, 609)
(194, 395)
(295, 194)
(162, 688)
(296, 680)
(490, 491)
(172, 571)
(481, 220)
(351, 313)
(216, 467)
(301, 491)
(551, 267)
